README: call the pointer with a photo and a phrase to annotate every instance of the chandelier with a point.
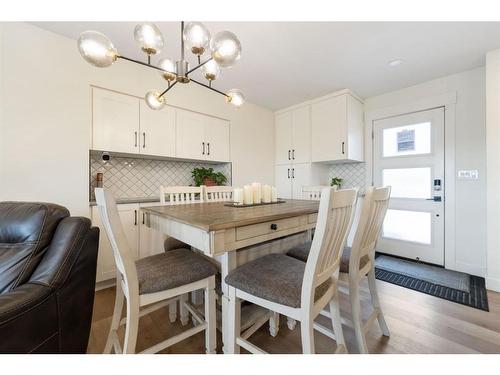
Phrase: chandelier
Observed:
(224, 48)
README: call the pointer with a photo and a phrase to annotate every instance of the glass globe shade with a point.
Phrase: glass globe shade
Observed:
(235, 97)
(211, 70)
(169, 70)
(154, 100)
(149, 38)
(226, 48)
(196, 37)
(97, 49)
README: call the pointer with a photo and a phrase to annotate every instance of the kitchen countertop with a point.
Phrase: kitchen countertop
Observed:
(131, 200)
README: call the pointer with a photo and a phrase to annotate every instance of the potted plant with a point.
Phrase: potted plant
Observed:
(208, 177)
(336, 181)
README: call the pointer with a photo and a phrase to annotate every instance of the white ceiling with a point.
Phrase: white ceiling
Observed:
(285, 63)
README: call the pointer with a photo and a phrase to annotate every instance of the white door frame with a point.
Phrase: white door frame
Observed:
(448, 101)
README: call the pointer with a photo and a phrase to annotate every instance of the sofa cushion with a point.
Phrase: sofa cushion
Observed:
(274, 277)
(172, 269)
(26, 229)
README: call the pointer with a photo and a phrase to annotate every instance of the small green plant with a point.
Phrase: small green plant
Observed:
(336, 181)
(207, 176)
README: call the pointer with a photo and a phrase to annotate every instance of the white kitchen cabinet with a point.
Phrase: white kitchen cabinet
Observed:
(157, 131)
(337, 129)
(115, 121)
(129, 216)
(293, 136)
(151, 241)
(291, 178)
(202, 137)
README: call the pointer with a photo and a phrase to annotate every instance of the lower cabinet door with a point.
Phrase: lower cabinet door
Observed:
(151, 241)
(129, 215)
(301, 176)
(283, 175)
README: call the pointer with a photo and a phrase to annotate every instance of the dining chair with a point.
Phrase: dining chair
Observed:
(359, 261)
(293, 288)
(152, 283)
(219, 193)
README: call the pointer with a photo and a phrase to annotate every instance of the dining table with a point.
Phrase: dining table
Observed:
(223, 231)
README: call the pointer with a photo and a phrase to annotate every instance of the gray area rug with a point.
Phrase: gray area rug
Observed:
(431, 274)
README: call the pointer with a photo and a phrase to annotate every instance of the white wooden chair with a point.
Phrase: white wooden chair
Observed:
(292, 288)
(218, 193)
(359, 261)
(313, 193)
(154, 282)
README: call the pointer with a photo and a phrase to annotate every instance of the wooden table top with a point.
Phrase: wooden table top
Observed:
(217, 216)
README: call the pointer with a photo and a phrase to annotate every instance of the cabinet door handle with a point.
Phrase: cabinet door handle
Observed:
(143, 219)
(343, 143)
(288, 172)
(293, 154)
(288, 154)
(135, 135)
(143, 140)
(135, 217)
(293, 172)
(208, 148)
(203, 144)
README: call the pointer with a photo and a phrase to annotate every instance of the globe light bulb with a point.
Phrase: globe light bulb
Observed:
(211, 70)
(196, 37)
(235, 97)
(97, 49)
(149, 38)
(169, 70)
(226, 48)
(154, 100)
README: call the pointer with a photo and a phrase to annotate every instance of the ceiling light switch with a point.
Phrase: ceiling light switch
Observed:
(472, 174)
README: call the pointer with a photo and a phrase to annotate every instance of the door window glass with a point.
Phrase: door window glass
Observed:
(407, 140)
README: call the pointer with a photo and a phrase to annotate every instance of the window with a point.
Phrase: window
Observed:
(407, 140)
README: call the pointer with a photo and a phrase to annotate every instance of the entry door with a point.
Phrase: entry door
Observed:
(408, 155)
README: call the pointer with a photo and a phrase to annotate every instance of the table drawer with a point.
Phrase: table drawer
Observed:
(312, 218)
(268, 227)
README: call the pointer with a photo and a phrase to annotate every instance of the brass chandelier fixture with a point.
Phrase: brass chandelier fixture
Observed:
(224, 47)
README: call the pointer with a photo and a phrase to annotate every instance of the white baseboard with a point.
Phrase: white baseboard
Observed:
(493, 284)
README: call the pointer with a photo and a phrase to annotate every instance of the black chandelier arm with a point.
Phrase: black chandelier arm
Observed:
(200, 65)
(144, 64)
(167, 89)
(209, 87)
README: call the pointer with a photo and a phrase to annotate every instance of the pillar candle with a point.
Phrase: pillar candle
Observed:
(247, 194)
(257, 192)
(274, 194)
(238, 196)
(266, 193)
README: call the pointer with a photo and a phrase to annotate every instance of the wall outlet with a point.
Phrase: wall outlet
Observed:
(471, 174)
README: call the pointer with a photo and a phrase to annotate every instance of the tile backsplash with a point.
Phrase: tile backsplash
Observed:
(353, 174)
(142, 178)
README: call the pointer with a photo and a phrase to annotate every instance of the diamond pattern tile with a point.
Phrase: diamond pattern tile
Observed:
(142, 178)
(352, 173)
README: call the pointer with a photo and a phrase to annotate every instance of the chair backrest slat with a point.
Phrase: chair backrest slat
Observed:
(335, 216)
(218, 193)
(181, 194)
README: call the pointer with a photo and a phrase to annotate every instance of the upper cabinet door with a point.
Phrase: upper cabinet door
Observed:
(301, 135)
(191, 143)
(217, 139)
(329, 129)
(157, 131)
(283, 138)
(115, 122)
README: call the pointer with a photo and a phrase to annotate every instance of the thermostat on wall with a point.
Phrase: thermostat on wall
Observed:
(472, 174)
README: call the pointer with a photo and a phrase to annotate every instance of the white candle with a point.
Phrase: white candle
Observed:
(257, 192)
(274, 194)
(266, 193)
(247, 194)
(238, 196)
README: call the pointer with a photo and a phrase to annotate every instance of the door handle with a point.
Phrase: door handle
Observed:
(293, 172)
(143, 140)
(203, 152)
(143, 219)
(288, 172)
(288, 154)
(208, 148)
(293, 154)
(343, 143)
(435, 199)
(135, 135)
(135, 217)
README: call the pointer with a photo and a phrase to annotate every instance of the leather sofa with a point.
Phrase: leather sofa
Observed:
(47, 278)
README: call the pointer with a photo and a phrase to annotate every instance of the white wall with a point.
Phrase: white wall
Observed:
(493, 167)
(470, 145)
(45, 126)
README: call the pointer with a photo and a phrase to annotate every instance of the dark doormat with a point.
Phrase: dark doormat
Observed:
(436, 281)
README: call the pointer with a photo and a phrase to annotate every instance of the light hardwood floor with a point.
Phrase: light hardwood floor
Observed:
(419, 324)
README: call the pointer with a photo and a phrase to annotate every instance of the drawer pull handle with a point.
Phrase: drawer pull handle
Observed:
(274, 226)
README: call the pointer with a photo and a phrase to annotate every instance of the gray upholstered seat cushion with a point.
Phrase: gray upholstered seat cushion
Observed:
(301, 252)
(274, 277)
(172, 269)
(172, 243)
